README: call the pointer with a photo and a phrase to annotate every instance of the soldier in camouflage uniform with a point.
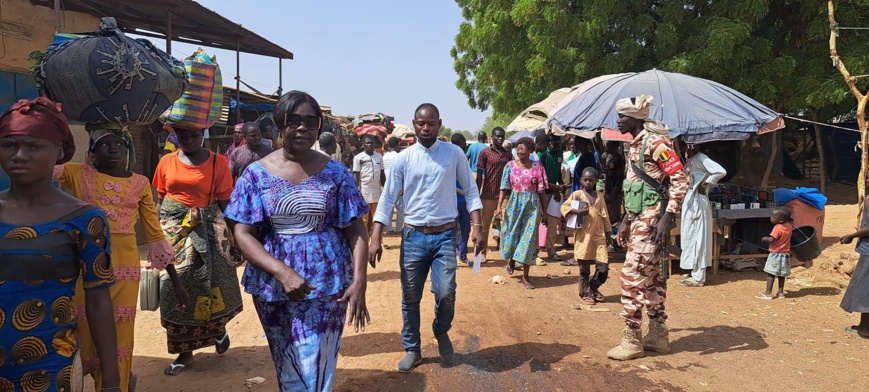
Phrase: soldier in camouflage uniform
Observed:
(645, 226)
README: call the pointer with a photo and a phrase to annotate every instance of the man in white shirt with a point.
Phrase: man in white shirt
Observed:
(392, 147)
(427, 173)
(368, 171)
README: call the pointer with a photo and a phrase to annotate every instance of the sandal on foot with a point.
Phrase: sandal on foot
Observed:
(528, 285)
(598, 296)
(763, 296)
(510, 269)
(570, 263)
(855, 329)
(221, 345)
(780, 296)
(690, 282)
(588, 300)
(174, 369)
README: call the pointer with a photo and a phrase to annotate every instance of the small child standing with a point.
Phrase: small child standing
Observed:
(590, 243)
(778, 263)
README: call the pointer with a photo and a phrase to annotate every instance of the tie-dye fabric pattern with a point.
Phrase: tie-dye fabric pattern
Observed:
(304, 338)
(300, 224)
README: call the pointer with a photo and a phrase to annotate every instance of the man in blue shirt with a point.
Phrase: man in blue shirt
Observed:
(474, 150)
(464, 220)
(427, 172)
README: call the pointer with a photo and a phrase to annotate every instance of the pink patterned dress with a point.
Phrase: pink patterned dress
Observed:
(124, 200)
(522, 213)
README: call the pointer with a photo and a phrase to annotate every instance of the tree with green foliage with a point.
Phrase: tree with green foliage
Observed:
(509, 54)
(500, 120)
(447, 132)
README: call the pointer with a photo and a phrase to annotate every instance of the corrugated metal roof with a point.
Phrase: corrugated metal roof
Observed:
(192, 23)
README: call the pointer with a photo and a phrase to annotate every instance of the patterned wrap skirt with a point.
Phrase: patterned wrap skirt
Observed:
(304, 338)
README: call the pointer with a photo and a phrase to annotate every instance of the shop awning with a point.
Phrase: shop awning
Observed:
(181, 20)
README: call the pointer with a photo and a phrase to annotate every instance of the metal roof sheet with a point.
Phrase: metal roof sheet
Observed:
(192, 23)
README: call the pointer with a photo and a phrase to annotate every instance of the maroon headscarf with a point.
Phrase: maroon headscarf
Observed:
(39, 118)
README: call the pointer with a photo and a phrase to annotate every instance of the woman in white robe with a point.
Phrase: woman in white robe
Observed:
(697, 216)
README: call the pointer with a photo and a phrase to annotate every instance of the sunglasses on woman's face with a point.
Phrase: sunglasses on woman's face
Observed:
(293, 121)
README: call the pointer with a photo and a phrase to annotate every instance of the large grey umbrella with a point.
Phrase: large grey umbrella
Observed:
(698, 109)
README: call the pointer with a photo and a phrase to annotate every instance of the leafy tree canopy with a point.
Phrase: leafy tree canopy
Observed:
(509, 54)
(446, 131)
(499, 120)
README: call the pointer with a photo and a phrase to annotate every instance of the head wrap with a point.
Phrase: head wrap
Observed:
(40, 118)
(99, 131)
(639, 107)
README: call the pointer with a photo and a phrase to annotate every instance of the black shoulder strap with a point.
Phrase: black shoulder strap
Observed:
(645, 177)
(76, 213)
(213, 175)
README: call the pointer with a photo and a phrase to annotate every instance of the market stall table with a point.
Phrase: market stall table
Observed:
(725, 219)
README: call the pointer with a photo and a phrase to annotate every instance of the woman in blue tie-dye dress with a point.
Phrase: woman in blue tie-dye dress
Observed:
(297, 217)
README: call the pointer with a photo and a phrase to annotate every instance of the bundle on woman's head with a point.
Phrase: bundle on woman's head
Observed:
(41, 118)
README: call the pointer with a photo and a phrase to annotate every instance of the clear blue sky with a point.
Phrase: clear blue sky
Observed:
(355, 56)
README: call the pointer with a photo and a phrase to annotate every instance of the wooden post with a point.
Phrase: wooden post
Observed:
(769, 165)
(237, 81)
(822, 166)
(57, 16)
(862, 100)
(169, 32)
(280, 76)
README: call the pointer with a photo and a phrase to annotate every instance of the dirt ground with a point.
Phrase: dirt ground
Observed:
(509, 338)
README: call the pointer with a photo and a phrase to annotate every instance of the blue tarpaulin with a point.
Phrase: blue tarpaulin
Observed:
(811, 196)
(258, 107)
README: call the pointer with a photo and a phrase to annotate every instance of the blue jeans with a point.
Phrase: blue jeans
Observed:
(419, 253)
(464, 222)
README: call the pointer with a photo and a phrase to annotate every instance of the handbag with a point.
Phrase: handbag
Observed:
(149, 288)
(232, 256)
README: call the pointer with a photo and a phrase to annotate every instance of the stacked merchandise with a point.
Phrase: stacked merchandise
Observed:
(377, 124)
(736, 197)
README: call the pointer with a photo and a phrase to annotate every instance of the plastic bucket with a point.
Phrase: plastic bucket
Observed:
(805, 246)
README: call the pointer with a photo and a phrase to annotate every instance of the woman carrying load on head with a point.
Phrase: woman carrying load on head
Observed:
(193, 185)
(107, 181)
(49, 242)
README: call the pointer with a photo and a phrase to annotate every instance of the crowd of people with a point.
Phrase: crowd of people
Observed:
(307, 215)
